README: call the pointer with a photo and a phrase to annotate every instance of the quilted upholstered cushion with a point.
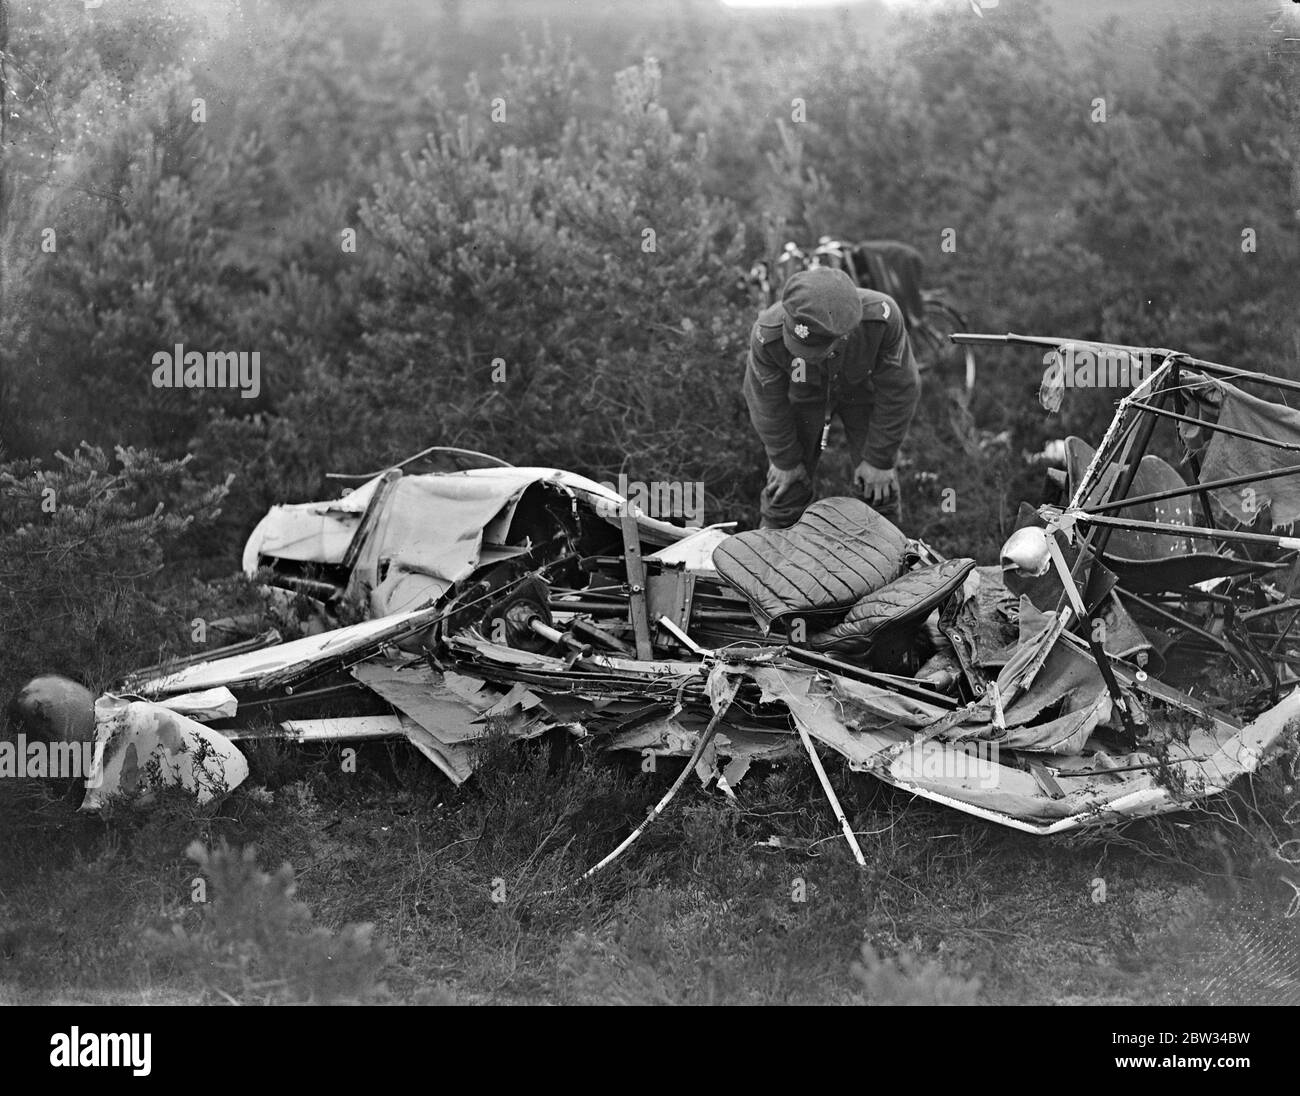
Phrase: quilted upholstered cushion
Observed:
(840, 550)
(905, 601)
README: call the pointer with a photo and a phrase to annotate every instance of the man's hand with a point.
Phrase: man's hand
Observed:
(780, 480)
(876, 484)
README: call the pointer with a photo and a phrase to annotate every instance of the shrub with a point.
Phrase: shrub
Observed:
(256, 941)
(82, 546)
(907, 980)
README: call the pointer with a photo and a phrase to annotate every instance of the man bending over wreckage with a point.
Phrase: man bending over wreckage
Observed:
(829, 348)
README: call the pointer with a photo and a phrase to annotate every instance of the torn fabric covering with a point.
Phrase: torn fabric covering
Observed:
(316, 532)
(140, 746)
(1226, 456)
(427, 531)
(430, 533)
(1120, 635)
(995, 623)
(1069, 682)
(1046, 681)
(987, 618)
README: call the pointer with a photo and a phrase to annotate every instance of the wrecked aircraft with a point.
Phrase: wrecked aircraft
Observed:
(1132, 651)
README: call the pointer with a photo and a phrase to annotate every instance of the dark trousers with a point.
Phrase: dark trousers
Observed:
(808, 421)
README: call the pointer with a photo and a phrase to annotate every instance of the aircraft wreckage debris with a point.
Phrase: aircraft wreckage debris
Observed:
(1070, 683)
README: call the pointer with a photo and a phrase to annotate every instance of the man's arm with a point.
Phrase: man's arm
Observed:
(766, 387)
(897, 391)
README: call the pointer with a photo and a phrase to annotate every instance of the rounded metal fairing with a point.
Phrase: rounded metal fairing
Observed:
(1025, 553)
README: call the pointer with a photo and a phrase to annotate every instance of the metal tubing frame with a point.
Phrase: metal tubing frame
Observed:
(1197, 531)
(1134, 444)
(1193, 489)
(1231, 431)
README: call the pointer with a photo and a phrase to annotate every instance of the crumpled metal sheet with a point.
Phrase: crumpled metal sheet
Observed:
(449, 722)
(283, 659)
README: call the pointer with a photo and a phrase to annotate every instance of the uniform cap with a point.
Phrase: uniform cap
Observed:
(820, 305)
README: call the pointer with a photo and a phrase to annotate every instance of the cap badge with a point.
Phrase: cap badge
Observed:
(801, 329)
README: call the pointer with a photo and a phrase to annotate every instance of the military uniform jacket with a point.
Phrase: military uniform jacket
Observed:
(872, 373)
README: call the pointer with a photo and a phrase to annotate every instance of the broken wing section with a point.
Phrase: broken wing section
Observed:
(880, 734)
